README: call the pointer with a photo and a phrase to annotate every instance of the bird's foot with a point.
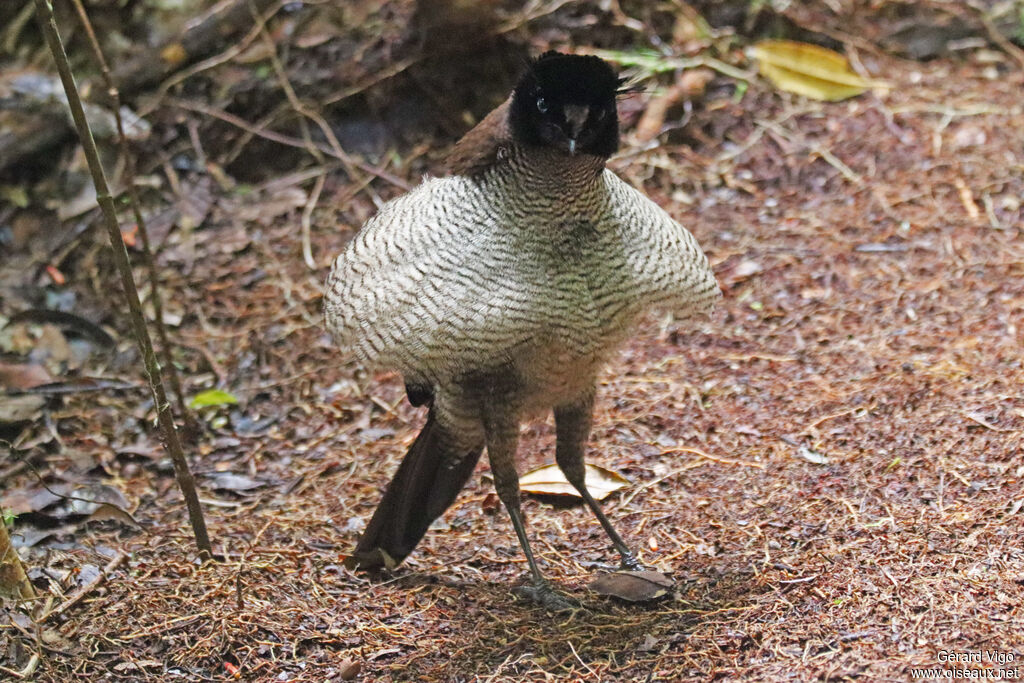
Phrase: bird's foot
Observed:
(629, 563)
(547, 597)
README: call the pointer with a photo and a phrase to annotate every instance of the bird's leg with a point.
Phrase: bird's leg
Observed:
(572, 428)
(502, 431)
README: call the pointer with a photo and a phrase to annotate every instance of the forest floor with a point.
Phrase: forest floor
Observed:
(830, 468)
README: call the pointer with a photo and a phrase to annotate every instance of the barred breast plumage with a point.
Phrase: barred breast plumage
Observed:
(500, 290)
(538, 261)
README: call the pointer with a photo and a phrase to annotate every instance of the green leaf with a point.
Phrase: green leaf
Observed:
(649, 61)
(212, 397)
(15, 194)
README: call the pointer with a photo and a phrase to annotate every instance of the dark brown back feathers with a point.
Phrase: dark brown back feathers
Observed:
(483, 145)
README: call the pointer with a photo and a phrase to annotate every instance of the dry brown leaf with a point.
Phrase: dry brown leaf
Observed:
(106, 511)
(349, 669)
(86, 500)
(633, 586)
(549, 481)
(808, 70)
(21, 376)
(15, 409)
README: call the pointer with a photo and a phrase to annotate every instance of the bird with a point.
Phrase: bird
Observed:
(500, 289)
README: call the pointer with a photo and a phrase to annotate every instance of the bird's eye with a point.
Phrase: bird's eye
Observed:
(542, 105)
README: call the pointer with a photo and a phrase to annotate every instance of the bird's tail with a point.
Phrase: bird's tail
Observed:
(425, 485)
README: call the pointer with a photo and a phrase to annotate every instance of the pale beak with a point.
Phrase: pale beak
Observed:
(576, 116)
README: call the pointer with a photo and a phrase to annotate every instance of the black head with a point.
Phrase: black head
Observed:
(567, 103)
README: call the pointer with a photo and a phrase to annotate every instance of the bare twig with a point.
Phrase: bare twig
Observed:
(198, 40)
(28, 669)
(379, 77)
(713, 458)
(533, 12)
(236, 49)
(307, 113)
(14, 28)
(192, 427)
(92, 501)
(307, 219)
(997, 37)
(44, 11)
(689, 466)
(578, 659)
(86, 588)
(814, 147)
(285, 139)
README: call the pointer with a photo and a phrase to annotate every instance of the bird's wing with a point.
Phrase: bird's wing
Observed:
(420, 288)
(377, 273)
(670, 269)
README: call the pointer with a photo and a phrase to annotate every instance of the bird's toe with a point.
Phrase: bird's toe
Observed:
(630, 564)
(547, 597)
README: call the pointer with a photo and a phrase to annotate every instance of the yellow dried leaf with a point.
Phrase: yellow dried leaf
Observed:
(549, 481)
(174, 54)
(808, 70)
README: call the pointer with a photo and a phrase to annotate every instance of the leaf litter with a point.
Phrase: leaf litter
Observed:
(905, 543)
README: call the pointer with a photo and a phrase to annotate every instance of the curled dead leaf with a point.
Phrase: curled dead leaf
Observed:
(107, 511)
(229, 481)
(549, 481)
(90, 498)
